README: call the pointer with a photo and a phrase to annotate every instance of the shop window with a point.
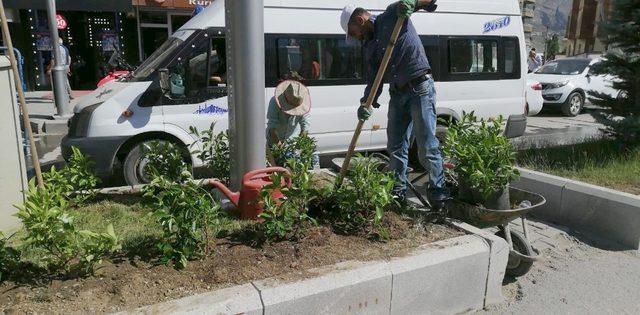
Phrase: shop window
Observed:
(153, 17)
(316, 60)
(468, 56)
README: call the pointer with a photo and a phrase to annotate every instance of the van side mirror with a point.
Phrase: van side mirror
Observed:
(165, 85)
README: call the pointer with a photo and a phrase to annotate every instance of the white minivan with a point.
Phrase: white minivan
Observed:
(476, 50)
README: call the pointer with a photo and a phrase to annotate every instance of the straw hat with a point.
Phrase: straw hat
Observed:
(293, 98)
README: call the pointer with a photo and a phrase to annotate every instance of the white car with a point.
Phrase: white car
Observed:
(566, 83)
(534, 97)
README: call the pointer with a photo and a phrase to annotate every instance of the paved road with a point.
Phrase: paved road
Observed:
(577, 275)
(552, 129)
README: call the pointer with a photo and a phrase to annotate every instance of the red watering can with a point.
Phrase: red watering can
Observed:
(247, 200)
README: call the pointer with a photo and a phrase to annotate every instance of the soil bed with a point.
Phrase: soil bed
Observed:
(132, 280)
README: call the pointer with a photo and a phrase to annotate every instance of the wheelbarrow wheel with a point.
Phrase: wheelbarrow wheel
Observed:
(517, 266)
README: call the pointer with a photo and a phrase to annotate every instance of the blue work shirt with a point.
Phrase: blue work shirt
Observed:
(408, 60)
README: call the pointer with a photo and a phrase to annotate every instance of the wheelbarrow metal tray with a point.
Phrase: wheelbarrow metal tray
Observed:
(484, 218)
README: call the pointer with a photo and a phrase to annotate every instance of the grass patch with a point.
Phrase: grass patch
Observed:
(133, 224)
(602, 163)
(135, 228)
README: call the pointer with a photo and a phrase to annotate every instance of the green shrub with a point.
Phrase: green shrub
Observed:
(185, 211)
(75, 182)
(296, 153)
(50, 229)
(215, 152)
(285, 219)
(166, 159)
(9, 258)
(483, 157)
(357, 206)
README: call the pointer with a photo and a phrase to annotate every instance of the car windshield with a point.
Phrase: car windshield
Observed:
(565, 66)
(150, 65)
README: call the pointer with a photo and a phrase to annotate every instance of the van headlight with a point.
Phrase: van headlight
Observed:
(557, 85)
(79, 122)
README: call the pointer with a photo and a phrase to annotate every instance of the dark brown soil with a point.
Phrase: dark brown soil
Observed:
(134, 283)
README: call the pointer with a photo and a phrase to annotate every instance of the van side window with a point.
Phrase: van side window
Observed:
(477, 58)
(193, 75)
(432, 49)
(511, 58)
(473, 56)
(318, 60)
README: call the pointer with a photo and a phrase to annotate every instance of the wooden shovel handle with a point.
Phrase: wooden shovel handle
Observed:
(372, 94)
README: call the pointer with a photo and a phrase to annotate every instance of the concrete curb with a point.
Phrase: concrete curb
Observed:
(243, 299)
(499, 256)
(450, 276)
(447, 277)
(607, 213)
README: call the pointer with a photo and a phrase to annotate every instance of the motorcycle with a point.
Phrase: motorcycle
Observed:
(119, 68)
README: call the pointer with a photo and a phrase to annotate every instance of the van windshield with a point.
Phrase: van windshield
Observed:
(565, 66)
(150, 65)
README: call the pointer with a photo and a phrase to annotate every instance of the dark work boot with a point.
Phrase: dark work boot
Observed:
(439, 207)
(400, 196)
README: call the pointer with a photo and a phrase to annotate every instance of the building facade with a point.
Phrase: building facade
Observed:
(584, 30)
(528, 7)
(94, 31)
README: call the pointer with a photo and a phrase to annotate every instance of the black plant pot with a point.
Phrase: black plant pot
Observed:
(499, 200)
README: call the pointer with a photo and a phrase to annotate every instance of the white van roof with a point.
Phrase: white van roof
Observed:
(213, 15)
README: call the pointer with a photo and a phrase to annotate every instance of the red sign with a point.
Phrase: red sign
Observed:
(62, 22)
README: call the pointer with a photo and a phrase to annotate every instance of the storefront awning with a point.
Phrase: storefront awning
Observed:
(72, 5)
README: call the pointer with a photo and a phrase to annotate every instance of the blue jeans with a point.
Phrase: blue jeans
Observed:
(415, 109)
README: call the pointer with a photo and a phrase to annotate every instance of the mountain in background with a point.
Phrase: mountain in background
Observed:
(551, 13)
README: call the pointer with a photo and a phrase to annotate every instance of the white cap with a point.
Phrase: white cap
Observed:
(347, 12)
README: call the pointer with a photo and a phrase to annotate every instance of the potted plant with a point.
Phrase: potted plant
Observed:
(484, 161)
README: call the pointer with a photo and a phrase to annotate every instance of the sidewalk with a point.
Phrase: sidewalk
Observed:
(41, 111)
(577, 274)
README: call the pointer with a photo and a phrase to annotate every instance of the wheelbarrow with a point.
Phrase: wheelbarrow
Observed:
(521, 254)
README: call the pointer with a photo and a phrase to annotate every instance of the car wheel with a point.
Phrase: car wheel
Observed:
(574, 104)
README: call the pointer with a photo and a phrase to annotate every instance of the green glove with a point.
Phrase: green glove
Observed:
(406, 8)
(364, 113)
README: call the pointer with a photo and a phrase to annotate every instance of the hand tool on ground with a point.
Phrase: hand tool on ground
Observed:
(372, 94)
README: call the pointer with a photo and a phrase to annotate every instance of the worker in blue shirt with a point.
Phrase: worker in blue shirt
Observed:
(412, 91)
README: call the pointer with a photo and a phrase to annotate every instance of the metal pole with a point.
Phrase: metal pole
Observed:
(58, 72)
(245, 73)
(23, 103)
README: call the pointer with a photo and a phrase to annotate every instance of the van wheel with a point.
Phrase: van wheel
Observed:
(134, 166)
(574, 104)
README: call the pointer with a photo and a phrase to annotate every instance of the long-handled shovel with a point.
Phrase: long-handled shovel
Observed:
(374, 88)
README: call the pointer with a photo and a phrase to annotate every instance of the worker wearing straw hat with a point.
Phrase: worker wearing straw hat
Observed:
(288, 114)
